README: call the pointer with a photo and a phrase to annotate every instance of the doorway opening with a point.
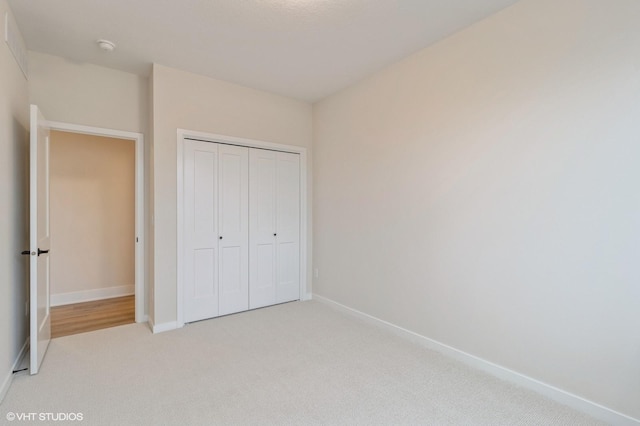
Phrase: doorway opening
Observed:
(96, 208)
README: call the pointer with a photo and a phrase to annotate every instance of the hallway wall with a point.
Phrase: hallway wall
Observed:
(92, 217)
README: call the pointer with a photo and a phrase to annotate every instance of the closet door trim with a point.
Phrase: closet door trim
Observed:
(182, 135)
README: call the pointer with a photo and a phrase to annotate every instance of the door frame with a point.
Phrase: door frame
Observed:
(140, 255)
(182, 135)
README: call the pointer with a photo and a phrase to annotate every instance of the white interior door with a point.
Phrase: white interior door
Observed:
(200, 230)
(287, 227)
(233, 202)
(262, 228)
(39, 238)
(241, 229)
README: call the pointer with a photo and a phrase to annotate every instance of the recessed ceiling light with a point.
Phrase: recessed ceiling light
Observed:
(106, 45)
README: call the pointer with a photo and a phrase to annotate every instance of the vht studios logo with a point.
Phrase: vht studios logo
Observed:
(45, 417)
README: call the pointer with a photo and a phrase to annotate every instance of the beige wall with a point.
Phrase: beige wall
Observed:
(88, 94)
(189, 101)
(14, 190)
(484, 193)
(92, 213)
(91, 95)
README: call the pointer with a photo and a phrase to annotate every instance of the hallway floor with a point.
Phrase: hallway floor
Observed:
(90, 316)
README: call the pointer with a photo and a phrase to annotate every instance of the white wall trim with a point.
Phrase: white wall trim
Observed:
(71, 297)
(140, 195)
(6, 383)
(574, 401)
(161, 328)
(182, 134)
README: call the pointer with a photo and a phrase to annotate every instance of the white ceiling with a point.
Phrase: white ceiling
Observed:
(305, 49)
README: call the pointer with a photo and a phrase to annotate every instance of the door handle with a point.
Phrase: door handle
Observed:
(275, 234)
(26, 253)
(220, 236)
(42, 251)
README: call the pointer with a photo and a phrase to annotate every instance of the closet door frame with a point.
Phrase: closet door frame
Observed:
(182, 135)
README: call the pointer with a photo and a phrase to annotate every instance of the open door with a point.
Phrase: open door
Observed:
(40, 321)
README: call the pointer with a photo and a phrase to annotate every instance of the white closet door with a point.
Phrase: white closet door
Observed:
(262, 227)
(233, 199)
(200, 230)
(287, 227)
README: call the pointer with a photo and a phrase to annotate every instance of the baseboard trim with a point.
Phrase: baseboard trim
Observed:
(61, 299)
(6, 383)
(161, 328)
(574, 401)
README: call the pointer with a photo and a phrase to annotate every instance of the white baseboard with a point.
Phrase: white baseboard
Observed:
(6, 383)
(574, 401)
(160, 328)
(91, 295)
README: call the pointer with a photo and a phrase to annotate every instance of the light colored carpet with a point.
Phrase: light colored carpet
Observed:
(300, 363)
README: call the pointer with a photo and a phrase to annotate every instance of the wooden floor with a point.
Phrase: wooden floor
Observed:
(90, 316)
